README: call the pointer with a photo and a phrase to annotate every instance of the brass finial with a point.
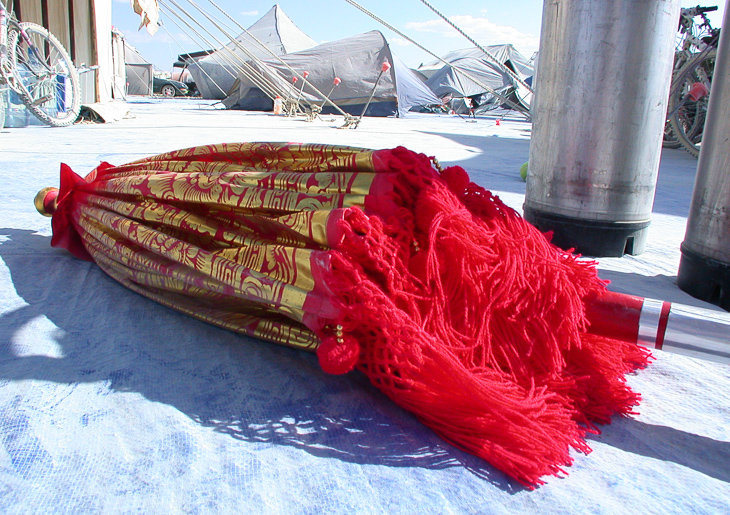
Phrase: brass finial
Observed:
(45, 201)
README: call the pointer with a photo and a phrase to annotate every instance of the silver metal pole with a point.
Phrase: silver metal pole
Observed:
(598, 119)
(704, 270)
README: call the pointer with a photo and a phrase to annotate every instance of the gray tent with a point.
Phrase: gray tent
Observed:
(445, 81)
(356, 61)
(139, 71)
(502, 53)
(215, 74)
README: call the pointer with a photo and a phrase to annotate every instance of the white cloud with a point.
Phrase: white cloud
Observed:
(398, 41)
(249, 13)
(480, 29)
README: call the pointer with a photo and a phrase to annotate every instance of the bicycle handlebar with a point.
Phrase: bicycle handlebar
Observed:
(687, 15)
(696, 11)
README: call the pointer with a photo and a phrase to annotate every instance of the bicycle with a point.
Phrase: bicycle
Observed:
(691, 80)
(35, 66)
(690, 99)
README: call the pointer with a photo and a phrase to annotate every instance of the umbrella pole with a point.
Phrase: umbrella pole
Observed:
(661, 325)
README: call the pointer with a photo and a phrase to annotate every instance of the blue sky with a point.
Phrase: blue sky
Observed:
(487, 21)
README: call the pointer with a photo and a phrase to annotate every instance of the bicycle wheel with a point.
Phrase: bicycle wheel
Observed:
(688, 118)
(670, 140)
(47, 80)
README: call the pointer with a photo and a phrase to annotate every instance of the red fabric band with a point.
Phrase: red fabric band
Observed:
(662, 329)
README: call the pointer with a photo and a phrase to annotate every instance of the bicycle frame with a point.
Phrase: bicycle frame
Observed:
(685, 118)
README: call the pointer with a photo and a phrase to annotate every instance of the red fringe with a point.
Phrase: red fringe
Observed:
(468, 317)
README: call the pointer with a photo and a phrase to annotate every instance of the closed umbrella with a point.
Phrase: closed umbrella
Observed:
(380, 261)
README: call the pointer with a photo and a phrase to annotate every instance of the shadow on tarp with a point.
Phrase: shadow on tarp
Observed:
(499, 173)
(251, 390)
(663, 286)
(705, 455)
(675, 180)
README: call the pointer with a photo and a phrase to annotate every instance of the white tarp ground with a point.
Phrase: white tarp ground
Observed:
(110, 403)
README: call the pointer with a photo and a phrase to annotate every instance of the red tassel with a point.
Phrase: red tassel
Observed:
(338, 355)
(468, 317)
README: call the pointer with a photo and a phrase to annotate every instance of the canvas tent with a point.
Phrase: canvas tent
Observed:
(446, 82)
(119, 71)
(502, 53)
(356, 61)
(139, 71)
(215, 74)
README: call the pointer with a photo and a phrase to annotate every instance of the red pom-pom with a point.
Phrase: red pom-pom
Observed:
(456, 178)
(386, 66)
(338, 357)
(337, 81)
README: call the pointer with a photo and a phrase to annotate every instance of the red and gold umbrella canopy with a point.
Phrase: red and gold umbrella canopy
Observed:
(451, 303)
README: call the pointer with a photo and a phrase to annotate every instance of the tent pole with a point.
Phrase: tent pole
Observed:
(317, 91)
(352, 122)
(241, 66)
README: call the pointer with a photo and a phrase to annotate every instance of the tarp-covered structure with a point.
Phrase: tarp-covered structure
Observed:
(139, 71)
(503, 53)
(215, 74)
(447, 82)
(357, 61)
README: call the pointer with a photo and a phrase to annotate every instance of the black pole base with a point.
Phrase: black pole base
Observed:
(704, 278)
(595, 238)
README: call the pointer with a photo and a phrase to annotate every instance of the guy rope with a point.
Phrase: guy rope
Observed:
(235, 61)
(284, 63)
(521, 109)
(504, 69)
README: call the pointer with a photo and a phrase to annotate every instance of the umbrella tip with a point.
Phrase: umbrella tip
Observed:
(45, 201)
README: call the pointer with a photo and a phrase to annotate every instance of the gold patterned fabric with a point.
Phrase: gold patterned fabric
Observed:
(232, 234)
(451, 303)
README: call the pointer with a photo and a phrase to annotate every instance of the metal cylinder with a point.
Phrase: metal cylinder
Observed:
(704, 269)
(598, 119)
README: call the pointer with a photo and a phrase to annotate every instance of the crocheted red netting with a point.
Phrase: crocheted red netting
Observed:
(466, 315)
